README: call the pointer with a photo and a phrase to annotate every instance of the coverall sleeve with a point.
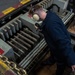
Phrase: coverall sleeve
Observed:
(62, 41)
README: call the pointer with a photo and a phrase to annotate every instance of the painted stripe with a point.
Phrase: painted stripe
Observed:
(24, 1)
(8, 10)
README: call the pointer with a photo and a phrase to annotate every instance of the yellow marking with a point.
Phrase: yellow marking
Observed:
(24, 1)
(10, 9)
(3, 67)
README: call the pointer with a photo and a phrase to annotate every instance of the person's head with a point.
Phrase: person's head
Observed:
(37, 12)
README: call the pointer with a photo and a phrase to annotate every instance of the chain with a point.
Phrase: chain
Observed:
(12, 66)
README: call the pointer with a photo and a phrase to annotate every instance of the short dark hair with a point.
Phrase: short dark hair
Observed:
(34, 8)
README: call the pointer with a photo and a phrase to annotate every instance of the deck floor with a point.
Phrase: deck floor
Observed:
(4, 4)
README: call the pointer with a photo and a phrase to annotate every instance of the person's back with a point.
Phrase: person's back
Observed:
(57, 38)
(52, 24)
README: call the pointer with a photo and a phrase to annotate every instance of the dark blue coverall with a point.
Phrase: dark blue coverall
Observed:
(59, 41)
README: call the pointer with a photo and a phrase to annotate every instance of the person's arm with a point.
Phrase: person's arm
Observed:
(62, 41)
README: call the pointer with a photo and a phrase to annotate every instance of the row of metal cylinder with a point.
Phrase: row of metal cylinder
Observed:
(63, 14)
(19, 37)
(10, 29)
(45, 3)
(13, 66)
(23, 42)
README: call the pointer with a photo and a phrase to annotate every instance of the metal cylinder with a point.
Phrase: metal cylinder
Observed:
(2, 36)
(23, 42)
(31, 33)
(9, 30)
(28, 36)
(13, 28)
(6, 33)
(19, 23)
(16, 25)
(17, 55)
(26, 39)
(19, 44)
(18, 50)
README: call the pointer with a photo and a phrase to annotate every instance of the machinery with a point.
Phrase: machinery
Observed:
(62, 3)
(20, 42)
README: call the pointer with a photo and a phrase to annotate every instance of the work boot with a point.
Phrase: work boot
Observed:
(48, 62)
(60, 68)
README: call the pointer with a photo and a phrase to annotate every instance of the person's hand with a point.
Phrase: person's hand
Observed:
(73, 68)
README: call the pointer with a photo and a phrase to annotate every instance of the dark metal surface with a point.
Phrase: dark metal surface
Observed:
(4, 4)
